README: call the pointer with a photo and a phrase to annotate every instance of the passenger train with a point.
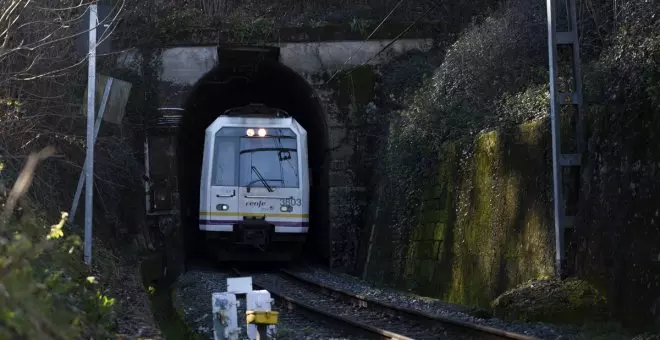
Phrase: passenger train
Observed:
(254, 190)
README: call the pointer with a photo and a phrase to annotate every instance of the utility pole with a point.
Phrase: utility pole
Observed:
(571, 98)
(91, 103)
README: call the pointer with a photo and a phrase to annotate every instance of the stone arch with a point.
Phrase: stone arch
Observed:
(268, 82)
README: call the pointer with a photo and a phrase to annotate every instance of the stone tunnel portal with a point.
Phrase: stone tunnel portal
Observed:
(245, 76)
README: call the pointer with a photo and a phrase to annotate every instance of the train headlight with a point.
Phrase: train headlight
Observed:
(286, 208)
(222, 207)
(261, 132)
(250, 132)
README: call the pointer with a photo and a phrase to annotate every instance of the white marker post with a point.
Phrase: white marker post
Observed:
(225, 316)
(260, 319)
(91, 103)
(259, 301)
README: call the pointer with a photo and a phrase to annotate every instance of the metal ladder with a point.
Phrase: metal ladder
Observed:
(560, 159)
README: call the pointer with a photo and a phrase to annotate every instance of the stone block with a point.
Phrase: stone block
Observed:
(427, 249)
(340, 179)
(434, 216)
(433, 204)
(425, 269)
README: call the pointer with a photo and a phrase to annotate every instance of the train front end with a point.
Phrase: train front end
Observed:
(254, 192)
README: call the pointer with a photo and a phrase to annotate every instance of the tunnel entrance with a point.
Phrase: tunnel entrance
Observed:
(246, 75)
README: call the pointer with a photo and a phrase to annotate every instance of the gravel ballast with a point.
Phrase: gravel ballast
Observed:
(192, 297)
(429, 305)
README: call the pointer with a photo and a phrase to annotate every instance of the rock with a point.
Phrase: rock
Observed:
(571, 301)
(481, 313)
(647, 336)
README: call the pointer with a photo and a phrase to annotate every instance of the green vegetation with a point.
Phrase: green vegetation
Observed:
(46, 292)
(476, 124)
(258, 31)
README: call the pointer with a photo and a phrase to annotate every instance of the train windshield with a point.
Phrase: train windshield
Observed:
(268, 162)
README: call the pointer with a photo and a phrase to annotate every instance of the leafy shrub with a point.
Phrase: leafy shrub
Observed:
(45, 292)
(525, 106)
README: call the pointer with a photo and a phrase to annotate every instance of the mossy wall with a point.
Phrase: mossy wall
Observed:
(469, 219)
(353, 122)
(484, 224)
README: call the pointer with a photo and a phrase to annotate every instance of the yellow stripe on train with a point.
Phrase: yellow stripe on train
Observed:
(237, 214)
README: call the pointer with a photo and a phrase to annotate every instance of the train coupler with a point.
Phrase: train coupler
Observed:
(253, 232)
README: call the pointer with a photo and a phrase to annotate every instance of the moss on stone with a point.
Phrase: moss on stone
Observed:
(502, 232)
(473, 249)
(571, 301)
(478, 230)
(428, 252)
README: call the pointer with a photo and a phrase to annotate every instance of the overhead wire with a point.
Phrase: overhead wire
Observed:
(395, 39)
(365, 40)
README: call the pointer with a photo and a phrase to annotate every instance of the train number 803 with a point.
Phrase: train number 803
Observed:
(294, 202)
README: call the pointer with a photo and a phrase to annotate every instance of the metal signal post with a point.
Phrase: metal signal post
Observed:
(91, 103)
(573, 98)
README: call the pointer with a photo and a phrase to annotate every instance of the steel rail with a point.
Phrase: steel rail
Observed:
(499, 333)
(384, 334)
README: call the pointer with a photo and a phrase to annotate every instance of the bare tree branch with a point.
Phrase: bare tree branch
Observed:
(40, 104)
(23, 182)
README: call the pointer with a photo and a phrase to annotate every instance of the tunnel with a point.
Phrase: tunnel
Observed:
(245, 75)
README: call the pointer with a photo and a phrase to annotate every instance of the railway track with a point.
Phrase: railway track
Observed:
(367, 317)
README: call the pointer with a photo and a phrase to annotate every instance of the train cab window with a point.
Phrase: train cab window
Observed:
(225, 157)
(273, 158)
(244, 160)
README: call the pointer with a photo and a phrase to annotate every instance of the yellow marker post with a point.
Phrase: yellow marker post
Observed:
(262, 319)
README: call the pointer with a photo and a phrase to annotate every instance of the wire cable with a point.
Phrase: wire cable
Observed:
(365, 40)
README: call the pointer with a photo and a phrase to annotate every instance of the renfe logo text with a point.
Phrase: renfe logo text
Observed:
(257, 204)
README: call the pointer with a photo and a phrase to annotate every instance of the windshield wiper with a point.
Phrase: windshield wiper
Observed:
(262, 179)
(266, 149)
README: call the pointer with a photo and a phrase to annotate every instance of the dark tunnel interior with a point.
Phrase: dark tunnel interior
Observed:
(275, 85)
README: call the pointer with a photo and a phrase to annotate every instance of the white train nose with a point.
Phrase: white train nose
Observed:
(254, 188)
